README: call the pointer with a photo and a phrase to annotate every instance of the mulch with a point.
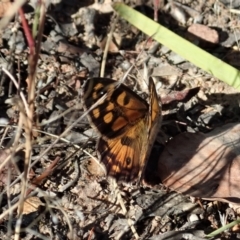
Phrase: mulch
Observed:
(71, 198)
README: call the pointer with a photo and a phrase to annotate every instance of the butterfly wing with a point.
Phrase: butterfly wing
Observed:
(152, 123)
(155, 109)
(126, 124)
(121, 109)
(122, 156)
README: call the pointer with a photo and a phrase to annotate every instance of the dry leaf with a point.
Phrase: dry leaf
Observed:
(31, 205)
(180, 96)
(204, 165)
(4, 6)
(95, 169)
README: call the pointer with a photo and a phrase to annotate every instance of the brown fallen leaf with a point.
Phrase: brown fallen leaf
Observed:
(180, 96)
(204, 165)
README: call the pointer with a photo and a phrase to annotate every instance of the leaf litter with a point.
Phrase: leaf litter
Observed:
(72, 200)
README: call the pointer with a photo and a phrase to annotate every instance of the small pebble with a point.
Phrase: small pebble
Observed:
(4, 121)
(17, 41)
(175, 58)
(164, 50)
(193, 218)
(54, 219)
(125, 65)
(204, 32)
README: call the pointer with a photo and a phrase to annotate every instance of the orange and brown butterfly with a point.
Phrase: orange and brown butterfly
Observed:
(127, 125)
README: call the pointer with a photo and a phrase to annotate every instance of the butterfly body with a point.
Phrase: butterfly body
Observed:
(127, 125)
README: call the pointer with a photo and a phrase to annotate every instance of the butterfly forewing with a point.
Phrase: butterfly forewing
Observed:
(121, 109)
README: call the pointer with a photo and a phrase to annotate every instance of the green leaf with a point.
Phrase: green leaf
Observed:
(187, 50)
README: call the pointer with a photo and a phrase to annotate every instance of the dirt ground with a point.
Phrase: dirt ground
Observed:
(69, 197)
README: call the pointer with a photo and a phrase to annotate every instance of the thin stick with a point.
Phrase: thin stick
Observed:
(33, 59)
(109, 39)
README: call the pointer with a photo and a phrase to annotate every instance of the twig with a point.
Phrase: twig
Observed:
(109, 39)
(33, 59)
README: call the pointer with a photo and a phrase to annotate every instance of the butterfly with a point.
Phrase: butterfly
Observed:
(127, 125)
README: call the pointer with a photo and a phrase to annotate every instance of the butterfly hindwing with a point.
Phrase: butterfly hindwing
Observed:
(122, 156)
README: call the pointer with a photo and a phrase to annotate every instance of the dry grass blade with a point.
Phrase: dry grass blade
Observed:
(109, 39)
(33, 59)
